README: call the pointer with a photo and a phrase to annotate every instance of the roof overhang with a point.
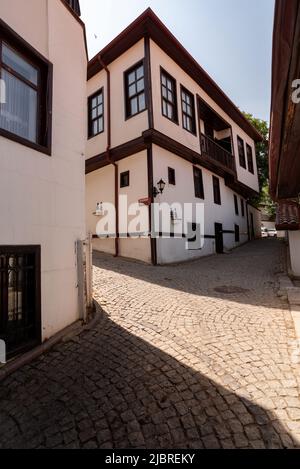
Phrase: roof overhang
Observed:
(148, 24)
(284, 153)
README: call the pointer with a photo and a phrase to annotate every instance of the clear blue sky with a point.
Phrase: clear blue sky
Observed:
(231, 39)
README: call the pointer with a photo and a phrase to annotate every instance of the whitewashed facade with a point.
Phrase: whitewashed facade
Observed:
(42, 209)
(146, 143)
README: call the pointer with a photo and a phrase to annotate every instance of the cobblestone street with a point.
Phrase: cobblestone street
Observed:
(197, 355)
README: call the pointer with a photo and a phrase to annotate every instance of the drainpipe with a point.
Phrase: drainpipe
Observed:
(108, 153)
(248, 227)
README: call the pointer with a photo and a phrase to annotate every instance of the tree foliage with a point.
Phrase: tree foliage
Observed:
(262, 151)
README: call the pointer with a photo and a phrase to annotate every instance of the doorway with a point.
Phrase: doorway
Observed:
(219, 238)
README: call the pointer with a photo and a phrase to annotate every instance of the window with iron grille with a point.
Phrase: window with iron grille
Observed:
(171, 176)
(241, 148)
(216, 190)
(96, 113)
(198, 183)
(188, 111)
(250, 159)
(25, 108)
(236, 205)
(135, 90)
(20, 297)
(169, 97)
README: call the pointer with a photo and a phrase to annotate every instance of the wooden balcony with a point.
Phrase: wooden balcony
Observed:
(217, 153)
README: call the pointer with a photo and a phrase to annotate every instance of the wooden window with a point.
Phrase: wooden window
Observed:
(96, 114)
(241, 148)
(250, 159)
(20, 297)
(169, 97)
(135, 90)
(216, 190)
(237, 233)
(25, 105)
(171, 176)
(236, 205)
(243, 207)
(198, 183)
(188, 111)
(124, 179)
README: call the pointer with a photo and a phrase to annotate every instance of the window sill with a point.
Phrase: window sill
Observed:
(24, 142)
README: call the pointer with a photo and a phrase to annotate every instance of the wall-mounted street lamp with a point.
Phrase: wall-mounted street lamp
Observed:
(161, 187)
(99, 210)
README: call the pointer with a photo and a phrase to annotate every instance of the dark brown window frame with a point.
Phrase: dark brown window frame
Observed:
(90, 119)
(250, 159)
(45, 85)
(21, 250)
(127, 99)
(122, 175)
(242, 157)
(199, 190)
(217, 190)
(243, 207)
(237, 234)
(184, 90)
(236, 205)
(171, 176)
(163, 99)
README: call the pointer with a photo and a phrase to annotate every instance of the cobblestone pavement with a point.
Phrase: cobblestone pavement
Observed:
(198, 355)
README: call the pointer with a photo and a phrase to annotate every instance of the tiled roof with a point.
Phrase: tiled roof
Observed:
(288, 216)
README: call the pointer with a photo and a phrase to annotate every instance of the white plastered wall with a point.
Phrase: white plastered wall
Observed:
(42, 197)
(173, 250)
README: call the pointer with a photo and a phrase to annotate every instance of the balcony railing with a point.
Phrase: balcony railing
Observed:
(211, 149)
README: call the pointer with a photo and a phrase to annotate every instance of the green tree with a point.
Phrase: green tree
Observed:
(262, 151)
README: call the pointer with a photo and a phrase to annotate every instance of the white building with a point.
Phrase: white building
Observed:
(154, 114)
(43, 63)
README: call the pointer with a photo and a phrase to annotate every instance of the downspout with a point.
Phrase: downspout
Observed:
(108, 153)
(248, 227)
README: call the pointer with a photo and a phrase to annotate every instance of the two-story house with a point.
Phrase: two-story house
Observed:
(156, 120)
(43, 61)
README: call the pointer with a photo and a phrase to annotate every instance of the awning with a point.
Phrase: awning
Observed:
(288, 216)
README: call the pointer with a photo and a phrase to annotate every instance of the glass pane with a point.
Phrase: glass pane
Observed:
(170, 85)
(165, 110)
(170, 111)
(142, 102)
(184, 108)
(140, 72)
(95, 127)
(94, 102)
(164, 92)
(19, 65)
(140, 85)
(132, 90)
(94, 113)
(131, 78)
(100, 99)
(100, 124)
(19, 114)
(100, 110)
(170, 96)
(133, 106)
(164, 80)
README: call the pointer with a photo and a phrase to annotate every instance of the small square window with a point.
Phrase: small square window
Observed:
(124, 179)
(172, 178)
